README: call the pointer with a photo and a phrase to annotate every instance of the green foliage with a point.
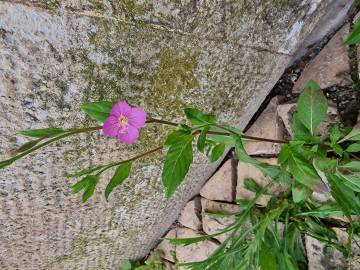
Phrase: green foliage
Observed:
(88, 184)
(99, 110)
(198, 118)
(311, 107)
(40, 133)
(122, 172)
(154, 262)
(177, 161)
(354, 36)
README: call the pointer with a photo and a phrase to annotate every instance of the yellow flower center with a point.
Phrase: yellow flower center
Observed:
(123, 121)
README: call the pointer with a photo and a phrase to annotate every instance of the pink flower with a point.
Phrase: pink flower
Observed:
(124, 122)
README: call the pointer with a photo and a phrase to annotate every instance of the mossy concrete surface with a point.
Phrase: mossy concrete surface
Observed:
(220, 56)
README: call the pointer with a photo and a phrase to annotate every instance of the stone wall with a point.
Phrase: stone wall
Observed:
(220, 56)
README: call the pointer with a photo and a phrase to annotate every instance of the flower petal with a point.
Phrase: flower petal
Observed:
(120, 108)
(130, 136)
(137, 117)
(111, 126)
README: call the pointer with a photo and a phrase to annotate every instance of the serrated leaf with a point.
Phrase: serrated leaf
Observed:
(43, 132)
(303, 172)
(352, 166)
(353, 148)
(354, 135)
(202, 139)
(354, 35)
(217, 152)
(312, 106)
(176, 136)
(177, 163)
(197, 118)
(122, 172)
(99, 110)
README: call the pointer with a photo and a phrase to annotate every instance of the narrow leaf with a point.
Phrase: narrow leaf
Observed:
(29, 145)
(90, 188)
(44, 132)
(352, 181)
(300, 192)
(188, 241)
(217, 152)
(177, 163)
(352, 166)
(99, 110)
(122, 172)
(353, 148)
(312, 106)
(80, 185)
(354, 36)
(84, 171)
(5, 163)
(354, 135)
(197, 118)
(202, 139)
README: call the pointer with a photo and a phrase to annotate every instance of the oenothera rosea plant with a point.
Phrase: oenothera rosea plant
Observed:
(308, 162)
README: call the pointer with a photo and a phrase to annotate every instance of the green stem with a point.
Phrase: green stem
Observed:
(152, 120)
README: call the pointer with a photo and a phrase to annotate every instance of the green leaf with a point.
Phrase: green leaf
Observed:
(99, 110)
(300, 192)
(90, 188)
(126, 265)
(352, 166)
(335, 134)
(5, 163)
(299, 129)
(344, 196)
(324, 211)
(303, 172)
(176, 136)
(352, 181)
(177, 163)
(312, 106)
(353, 148)
(354, 35)
(29, 145)
(84, 171)
(188, 241)
(354, 135)
(44, 132)
(251, 185)
(267, 259)
(217, 152)
(241, 152)
(202, 139)
(122, 172)
(197, 118)
(88, 183)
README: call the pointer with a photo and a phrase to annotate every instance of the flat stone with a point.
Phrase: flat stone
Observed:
(213, 225)
(330, 67)
(286, 112)
(266, 126)
(333, 259)
(220, 186)
(166, 250)
(195, 252)
(218, 207)
(190, 215)
(248, 171)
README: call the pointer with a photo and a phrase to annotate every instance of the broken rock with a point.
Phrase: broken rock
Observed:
(166, 250)
(330, 67)
(220, 186)
(195, 252)
(266, 126)
(190, 215)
